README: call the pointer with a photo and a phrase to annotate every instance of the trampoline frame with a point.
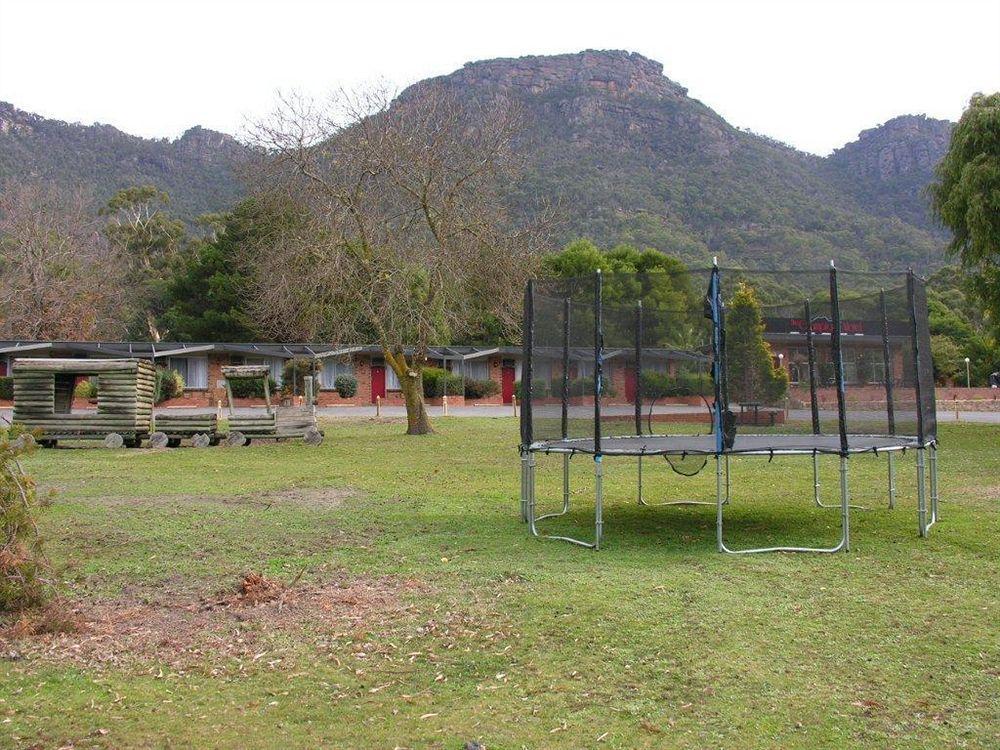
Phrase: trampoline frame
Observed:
(724, 442)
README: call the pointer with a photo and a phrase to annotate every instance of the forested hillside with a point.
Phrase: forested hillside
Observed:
(630, 157)
(196, 170)
(623, 152)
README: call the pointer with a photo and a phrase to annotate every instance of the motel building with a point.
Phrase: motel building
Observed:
(200, 364)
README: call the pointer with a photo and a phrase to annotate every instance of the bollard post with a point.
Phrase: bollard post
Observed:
(513, 401)
(378, 406)
(444, 402)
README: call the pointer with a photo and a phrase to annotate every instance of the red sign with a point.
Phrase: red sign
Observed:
(825, 326)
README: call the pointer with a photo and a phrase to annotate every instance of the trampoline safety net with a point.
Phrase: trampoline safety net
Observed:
(713, 361)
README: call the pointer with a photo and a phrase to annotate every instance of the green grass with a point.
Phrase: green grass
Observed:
(656, 641)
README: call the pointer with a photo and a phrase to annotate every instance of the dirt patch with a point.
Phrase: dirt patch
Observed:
(309, 497)
(229, 631)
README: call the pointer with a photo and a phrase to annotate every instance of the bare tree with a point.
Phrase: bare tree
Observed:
(406, 240)
(58, 274)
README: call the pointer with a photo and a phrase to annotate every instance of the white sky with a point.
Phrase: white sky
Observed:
(811, 73)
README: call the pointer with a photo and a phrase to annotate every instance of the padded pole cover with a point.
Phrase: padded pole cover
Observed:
(638, 368)
(912, 304)
(838, 360)
(598, 362)
(528, 336)
(565, 372)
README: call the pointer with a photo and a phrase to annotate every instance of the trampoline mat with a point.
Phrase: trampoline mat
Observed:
(777, 444)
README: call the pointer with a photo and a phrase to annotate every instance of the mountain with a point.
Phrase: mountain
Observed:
(196, 169)
(624, 151)
(889, 167)
(632, 157)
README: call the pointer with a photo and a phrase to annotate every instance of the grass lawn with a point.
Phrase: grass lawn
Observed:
(420, 613)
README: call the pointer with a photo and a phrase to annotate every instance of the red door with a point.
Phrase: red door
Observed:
(507, 384)
(378, 382)
(630, 384)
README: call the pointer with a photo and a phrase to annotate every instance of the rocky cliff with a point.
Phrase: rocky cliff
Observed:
(890, 166)
(633, 158)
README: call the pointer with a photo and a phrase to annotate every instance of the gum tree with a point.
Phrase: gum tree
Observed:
(408, 242)
(966, 198)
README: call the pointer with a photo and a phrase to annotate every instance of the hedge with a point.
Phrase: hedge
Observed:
(439, 382)
(481, 388)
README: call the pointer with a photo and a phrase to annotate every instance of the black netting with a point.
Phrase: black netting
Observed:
(650, 341)
(877, 350)
(779, 359)
(653, 363)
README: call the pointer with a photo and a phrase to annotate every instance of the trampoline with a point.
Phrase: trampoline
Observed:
(612, 362)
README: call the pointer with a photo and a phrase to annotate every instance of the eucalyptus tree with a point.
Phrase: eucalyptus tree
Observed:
(404, 237)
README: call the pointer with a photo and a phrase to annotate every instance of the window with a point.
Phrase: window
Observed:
(333, 369)
(391, 381)
(194, 370)
(477, 369)
(274, 364)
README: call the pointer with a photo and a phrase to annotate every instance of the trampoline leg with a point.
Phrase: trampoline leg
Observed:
(641, 502)
(718, 505)
(892, 480)
(845, 507)
(845, 519)
(820, 503)
(524, 487)
(932, 460)
(921, 494)
(726, 501)
(565, 505)
(816, 499)
(533, 520)
(599, 501)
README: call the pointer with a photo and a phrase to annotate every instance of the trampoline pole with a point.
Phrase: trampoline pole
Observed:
(598, 500)
(892, 480)
(921, 494)
(845, 507)
(818, 502)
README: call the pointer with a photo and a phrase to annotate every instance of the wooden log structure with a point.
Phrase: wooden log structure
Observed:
(275, 423)
(43, 397)
(178, 427)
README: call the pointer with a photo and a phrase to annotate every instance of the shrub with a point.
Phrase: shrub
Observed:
(346, 385)
(294, 372)
(539, 389)
(85, 389)
(481, 388)
(439, 382)
(251, 387)
(22, 561)
(7, 388)
(169, 384)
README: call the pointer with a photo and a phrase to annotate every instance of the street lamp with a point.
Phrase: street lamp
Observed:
(968, 377)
